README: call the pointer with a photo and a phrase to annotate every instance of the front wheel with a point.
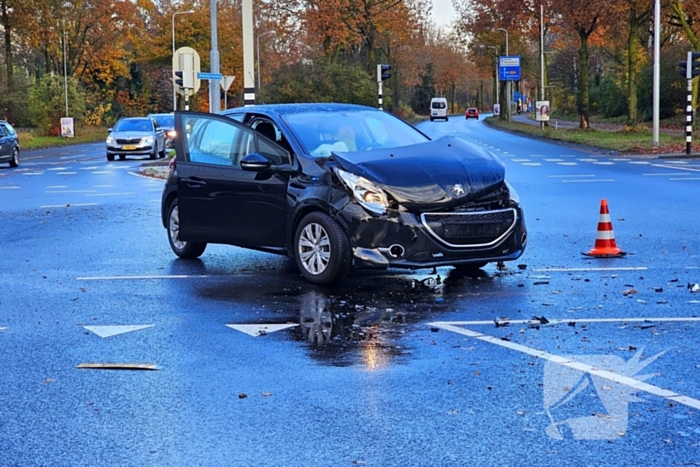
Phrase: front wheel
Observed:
(110, 157)
(183, 249)
(321, 249)
(14, 162)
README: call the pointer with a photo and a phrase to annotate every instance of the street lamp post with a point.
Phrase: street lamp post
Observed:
(257, 40)
(65, 67)
(174, 87)
(508, 82)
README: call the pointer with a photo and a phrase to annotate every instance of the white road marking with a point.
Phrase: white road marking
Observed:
(554, 160)
(112, 194)
(103, 172)
(102, 186)
(621, 160)
(120, 278)
(68, 205)
(575, 320)
(109, 331)
(618, 378)
(640, 162)
(676, 162)
(682, 179)
(58, 168)
(521, 160)
(70, 191)
(604, 163)
(684, 169)
(69, 173)
(640, 268)
(567, 163)
(89, 168)
(8, 187)
(570, 176)
(662, 174)
(256, 330)
(532, 164)
(2, 329)
(591, 181)
(55, 187)
(33, 173)
(588, 159)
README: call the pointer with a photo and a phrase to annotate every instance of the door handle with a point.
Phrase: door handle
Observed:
(194, 181)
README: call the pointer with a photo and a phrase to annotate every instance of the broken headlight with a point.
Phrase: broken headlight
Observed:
(366, 193)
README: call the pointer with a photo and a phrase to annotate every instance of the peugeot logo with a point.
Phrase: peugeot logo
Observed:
(458, 190)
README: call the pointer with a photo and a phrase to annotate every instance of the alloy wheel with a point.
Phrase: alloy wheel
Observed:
(314, 248)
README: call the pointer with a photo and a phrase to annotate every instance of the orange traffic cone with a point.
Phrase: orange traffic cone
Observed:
(605, 246)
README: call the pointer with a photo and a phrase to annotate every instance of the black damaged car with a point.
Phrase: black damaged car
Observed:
(337, 187)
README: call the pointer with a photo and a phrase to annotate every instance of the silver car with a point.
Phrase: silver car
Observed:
(136, 136)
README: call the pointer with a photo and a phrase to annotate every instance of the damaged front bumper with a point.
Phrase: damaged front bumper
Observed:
(408, 240)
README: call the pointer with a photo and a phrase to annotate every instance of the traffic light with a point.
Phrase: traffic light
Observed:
(383, 72)
(690, 68)
(179, 80)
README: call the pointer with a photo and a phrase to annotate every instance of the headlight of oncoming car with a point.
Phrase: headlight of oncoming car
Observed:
(366, 193)
(147, 139)
(110, 140)
(171, 134)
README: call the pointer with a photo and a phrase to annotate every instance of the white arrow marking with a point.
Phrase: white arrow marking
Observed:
(109, 331)
(256, 330)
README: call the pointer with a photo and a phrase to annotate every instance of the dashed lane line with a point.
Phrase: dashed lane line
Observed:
(571, 176)
(628, 268)
(580, 366)
(602, 180)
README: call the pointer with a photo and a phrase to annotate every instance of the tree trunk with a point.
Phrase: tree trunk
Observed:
(8, 44)
(583, 91)
(632, 69)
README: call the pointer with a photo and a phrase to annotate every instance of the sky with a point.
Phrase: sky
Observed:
(443, 13)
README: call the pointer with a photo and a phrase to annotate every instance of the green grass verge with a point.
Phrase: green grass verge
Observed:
(619, 140)
(29, 139)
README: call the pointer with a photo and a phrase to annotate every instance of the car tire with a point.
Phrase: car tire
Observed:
(14, 162)
(447, 119)
(183, 249)
(431, 119)
(321, 249)
(161, 154)
(154, 154)
(110, 157)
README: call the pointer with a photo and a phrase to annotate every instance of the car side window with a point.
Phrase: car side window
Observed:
(216, 142)
(2, 131)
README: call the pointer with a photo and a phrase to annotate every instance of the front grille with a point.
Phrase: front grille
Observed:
(128, 140)
(478, 229)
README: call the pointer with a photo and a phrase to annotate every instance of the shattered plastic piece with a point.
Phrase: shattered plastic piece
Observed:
(694, 288)
(242, 395)
(541, 283)
(501, 322)
(643, 302)
(522, 266)
(629, 292)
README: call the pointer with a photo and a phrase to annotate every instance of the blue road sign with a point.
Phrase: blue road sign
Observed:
(202, 75)
(509, 68)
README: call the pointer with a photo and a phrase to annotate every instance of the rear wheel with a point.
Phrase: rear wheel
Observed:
(14, 162)
(321, 249)
(183, 249)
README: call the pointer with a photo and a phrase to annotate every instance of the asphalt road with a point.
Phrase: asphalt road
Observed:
(255, 367)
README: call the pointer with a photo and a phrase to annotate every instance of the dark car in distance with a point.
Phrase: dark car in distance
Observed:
(135, 136)
(166, 121)
(9, 144)
(337, 187)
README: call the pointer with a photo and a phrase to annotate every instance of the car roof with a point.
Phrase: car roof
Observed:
(285, 109)
(134, 118)
(164, 114)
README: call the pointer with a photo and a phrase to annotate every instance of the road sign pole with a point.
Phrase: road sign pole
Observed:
(689, 107)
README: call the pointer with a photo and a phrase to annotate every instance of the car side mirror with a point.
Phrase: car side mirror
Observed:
(109, 130)
(255, 162)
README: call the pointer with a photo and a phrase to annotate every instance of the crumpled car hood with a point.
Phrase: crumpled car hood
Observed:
(445, 172)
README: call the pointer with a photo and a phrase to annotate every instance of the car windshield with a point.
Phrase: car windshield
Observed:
(165, 120)
(141, 124)
(322, 133)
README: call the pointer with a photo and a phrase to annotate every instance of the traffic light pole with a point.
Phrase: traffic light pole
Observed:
(380, 95)
(689, 117)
